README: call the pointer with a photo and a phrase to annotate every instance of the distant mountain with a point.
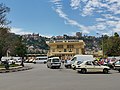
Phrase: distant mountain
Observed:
(37, 44)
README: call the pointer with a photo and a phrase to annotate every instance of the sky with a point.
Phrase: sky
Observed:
(58, 17)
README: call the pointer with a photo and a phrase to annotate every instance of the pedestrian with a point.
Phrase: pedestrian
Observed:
(6, 63)
(22, 63)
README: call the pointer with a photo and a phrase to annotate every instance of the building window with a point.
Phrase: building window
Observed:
(59, 46)
(53, 50)
(77, 51)
(65, 50)
(70, 50)
(70, 46)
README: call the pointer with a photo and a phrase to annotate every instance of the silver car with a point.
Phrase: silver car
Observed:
(54, 62)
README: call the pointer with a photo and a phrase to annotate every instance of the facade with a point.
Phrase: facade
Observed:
(65, 49)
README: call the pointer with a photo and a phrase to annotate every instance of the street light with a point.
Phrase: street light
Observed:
(102, 47)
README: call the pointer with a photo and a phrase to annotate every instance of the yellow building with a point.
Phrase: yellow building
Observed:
(65, 49)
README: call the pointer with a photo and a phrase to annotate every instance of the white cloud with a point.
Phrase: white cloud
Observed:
(91, 6)
(117, 29)
(75, 4)
(19, 31)
(55, 1)
(61, 13)
(100, 19)
(108, 9)
(110, 17)
(100, 26)
(73, 33)
(70, 21)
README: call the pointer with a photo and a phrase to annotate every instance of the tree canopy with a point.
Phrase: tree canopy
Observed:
(3, 12)
(112, 45)
(9, 42)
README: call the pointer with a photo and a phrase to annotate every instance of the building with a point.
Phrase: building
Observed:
(79, 34)
(65, 49)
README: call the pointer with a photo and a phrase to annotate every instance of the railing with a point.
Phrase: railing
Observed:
(57, 41)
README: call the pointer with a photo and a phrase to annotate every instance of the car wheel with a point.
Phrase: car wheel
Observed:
(74, 68)
(34, 62)
(48, 66)
(69, 66)
(78, 71)
(105, 71)
(119, 70)
(51, 67)
(66, 66)
(83, 71)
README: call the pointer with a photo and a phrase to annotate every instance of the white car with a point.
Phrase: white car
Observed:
(91, 66)
(54, 62)
(74, 64)
(116, 65)
(80, 58)
(67, 63)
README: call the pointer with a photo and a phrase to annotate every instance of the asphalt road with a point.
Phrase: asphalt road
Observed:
(43, 78)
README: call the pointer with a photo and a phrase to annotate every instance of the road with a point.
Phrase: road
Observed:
(43, 78)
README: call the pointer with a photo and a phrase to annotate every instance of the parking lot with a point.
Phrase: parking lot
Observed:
(43, 78)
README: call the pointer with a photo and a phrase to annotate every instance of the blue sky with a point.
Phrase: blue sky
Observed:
(58, 17)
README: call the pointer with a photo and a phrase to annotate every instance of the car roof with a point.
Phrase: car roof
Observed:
(54, 58)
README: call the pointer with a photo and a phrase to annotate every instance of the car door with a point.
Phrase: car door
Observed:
(89, 66)
(97, 67)
(117, 64)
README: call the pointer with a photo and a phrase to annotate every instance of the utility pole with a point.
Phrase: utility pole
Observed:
(102, 46)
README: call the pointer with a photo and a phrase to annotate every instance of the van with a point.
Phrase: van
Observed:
(40, 60)
(53, 62)
(77, 59)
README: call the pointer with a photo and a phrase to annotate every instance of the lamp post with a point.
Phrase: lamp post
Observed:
(102, 46)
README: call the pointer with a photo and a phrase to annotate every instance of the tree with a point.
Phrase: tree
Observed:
(116, 34)
(8, 41)
(20, 48)
(4, 30)
(112, 45)
(4, 33)
(3, 12)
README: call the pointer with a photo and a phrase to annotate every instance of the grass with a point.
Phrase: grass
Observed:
(11, 65)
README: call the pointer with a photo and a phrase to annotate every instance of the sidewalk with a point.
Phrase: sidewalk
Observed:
(15, 69)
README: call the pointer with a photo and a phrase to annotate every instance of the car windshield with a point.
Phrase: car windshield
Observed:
(96, 63)
(79, 62)
(55, 60)
(118, 62)
(67, 61)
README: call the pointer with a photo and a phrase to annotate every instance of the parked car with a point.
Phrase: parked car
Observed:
(53, 62)
(11, 61)
(67, 63)
(80, 58)
(116, 65)
(91, 66)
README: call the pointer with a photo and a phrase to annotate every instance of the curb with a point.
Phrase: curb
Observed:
(15, 69)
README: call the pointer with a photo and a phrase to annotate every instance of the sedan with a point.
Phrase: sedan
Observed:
(91, 66)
